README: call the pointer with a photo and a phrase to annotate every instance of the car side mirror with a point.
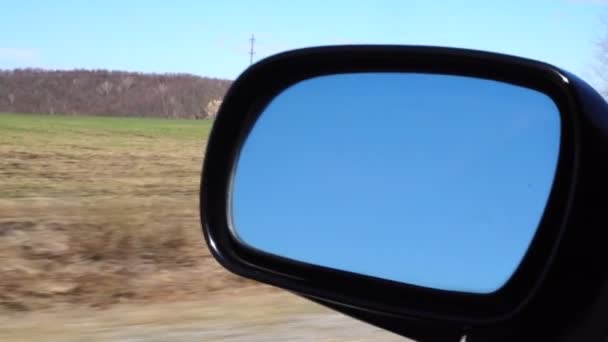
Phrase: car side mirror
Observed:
(434, 186)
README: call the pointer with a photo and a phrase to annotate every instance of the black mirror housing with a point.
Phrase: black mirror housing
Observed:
(561, 275)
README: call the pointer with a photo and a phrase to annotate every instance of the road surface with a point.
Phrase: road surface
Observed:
(252, 317)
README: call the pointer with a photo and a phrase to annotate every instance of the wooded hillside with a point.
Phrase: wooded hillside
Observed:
(114, 93)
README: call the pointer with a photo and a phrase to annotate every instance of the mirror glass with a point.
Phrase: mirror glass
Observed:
(432, 180)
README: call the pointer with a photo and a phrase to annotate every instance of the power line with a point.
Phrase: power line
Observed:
(251, 51)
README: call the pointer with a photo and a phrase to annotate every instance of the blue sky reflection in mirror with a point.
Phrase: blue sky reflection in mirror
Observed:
(433, 180)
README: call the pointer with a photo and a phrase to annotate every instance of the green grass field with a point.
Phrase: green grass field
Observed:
(62, 127)
(98, 210)
(68, 156)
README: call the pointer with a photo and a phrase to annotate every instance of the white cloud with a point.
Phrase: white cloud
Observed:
(589, 2)
(18, 56)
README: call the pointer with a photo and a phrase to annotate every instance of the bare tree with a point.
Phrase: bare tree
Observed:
(127, 82)
(212, 108)
(102, 92)
(599, 75)
(105, 87)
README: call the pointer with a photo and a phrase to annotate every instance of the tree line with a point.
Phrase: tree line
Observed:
(113, 93)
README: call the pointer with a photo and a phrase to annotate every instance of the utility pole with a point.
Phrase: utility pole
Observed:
(251, 51)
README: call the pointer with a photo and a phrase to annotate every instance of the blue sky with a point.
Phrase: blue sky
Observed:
(210, 38)
(433, 180)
